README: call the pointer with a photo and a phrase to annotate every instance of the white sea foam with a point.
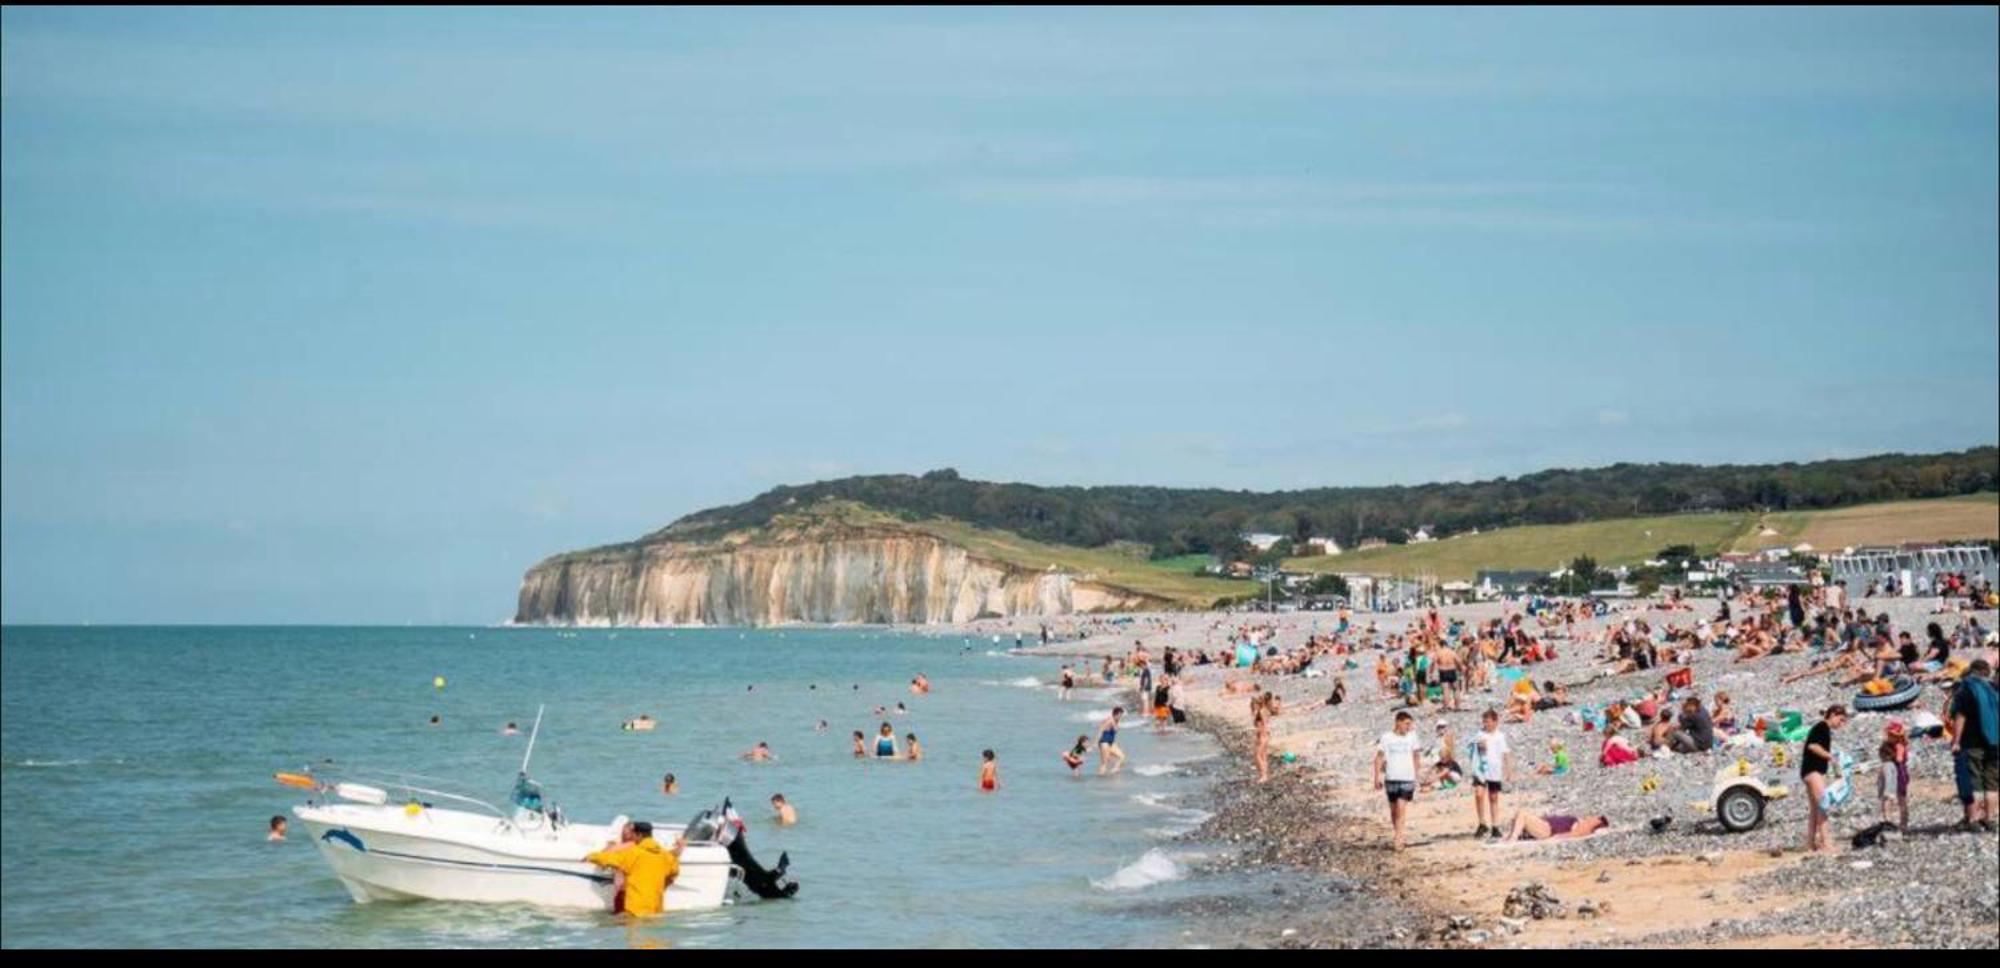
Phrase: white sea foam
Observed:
(1092, 716)
(1156, 866)
(1028, 682)
(1156, 769)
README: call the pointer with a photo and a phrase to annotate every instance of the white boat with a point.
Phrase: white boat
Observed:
(428, 844)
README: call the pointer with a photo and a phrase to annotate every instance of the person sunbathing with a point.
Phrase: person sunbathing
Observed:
(1723, 715)
(1555, 826)
(1850, 661)
(1755, 646)
(1521, 702)
(1552, 696)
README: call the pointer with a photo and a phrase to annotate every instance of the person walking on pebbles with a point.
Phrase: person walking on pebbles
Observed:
(1396, 769)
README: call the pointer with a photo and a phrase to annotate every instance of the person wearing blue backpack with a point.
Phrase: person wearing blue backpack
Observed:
(1975, 746)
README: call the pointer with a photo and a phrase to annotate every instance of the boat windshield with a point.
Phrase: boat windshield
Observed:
(527, 795)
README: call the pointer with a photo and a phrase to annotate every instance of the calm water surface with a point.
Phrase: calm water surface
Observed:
(137, 770)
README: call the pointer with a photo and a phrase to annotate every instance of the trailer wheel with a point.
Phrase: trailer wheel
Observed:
(1740, 808)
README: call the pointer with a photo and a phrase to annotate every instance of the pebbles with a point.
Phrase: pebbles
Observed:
(1290, 821)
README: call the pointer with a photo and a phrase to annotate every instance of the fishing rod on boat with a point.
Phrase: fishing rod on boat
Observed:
(531, 738)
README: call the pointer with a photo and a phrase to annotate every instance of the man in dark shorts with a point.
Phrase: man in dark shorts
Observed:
(1446, 664)
(1975, 744)
(1396, 770)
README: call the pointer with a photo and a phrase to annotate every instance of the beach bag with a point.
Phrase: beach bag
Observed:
(1680, 678)
(1789, 728)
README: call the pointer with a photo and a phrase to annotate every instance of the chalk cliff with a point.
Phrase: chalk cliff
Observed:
(812, 571)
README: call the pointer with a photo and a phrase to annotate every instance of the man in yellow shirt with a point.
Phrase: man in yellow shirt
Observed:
(648, 869)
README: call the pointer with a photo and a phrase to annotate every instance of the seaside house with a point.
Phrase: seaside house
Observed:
(1325, 546)
(1421, 535)
(1495, 583)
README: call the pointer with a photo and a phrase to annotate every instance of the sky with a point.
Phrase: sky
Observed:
(350, 316)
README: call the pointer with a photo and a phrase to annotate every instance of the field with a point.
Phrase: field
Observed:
(1629, 541)
(1972, 516)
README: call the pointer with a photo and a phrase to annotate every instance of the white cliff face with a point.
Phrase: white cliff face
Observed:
(876, 576)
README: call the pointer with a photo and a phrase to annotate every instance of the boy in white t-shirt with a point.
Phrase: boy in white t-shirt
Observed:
(1492, 766)
(1396, 770)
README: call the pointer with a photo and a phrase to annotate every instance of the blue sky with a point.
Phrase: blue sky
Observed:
(334, 315)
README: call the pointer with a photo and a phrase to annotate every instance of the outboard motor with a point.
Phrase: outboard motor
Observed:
(767, 884)
(725, 828)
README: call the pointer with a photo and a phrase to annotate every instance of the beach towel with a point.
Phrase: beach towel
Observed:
(1840, 785)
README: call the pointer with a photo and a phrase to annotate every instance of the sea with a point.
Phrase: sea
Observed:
(136, 784)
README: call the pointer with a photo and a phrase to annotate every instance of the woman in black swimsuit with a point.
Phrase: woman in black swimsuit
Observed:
(1814, 763)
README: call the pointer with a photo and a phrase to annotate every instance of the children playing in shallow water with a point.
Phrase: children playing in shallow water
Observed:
(1074, 758)
(1110, 759)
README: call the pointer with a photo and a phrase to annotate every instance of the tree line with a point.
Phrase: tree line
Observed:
(1176, 521)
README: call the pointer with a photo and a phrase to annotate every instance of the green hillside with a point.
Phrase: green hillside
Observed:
(1629, 541)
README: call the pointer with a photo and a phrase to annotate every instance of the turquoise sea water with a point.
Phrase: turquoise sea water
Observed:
(135, 783)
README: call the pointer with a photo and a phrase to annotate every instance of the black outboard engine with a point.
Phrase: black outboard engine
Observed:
(769, 884)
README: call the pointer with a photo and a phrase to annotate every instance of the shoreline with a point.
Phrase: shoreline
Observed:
(1693, 886)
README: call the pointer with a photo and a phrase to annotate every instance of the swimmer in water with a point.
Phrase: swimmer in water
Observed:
(881, 710)
(435, 721)
(821, 728)
(761, 753)
(1074, 758)
(989, 772)
(511, 730)
(916, 750)
(669, 786)
(786, 815)
(277, 834)
(1068, 683)
(885, 743)
(860, 745)
(900, 710)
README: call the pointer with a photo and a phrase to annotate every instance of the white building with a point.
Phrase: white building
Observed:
(1422, 535)
(1262, 541)
(1326, 546)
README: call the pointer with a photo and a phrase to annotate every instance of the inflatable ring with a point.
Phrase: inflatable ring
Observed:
(1905, 692)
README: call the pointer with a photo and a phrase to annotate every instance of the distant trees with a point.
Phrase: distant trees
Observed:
(1177, 521)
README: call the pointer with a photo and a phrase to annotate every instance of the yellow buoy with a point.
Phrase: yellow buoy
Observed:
(438, 682)
(413, 808)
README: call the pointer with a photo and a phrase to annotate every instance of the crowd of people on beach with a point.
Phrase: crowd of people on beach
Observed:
(1443, 664)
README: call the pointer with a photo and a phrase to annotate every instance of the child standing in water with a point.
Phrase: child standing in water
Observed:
(989, 772)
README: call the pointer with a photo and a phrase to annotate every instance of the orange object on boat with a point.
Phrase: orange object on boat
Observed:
(297, 780)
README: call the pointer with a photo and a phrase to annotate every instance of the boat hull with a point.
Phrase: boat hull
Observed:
(375, 861)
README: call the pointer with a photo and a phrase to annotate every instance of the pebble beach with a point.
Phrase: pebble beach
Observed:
(1690, 883)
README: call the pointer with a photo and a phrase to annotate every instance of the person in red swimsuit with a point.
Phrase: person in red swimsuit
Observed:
(989, 772)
